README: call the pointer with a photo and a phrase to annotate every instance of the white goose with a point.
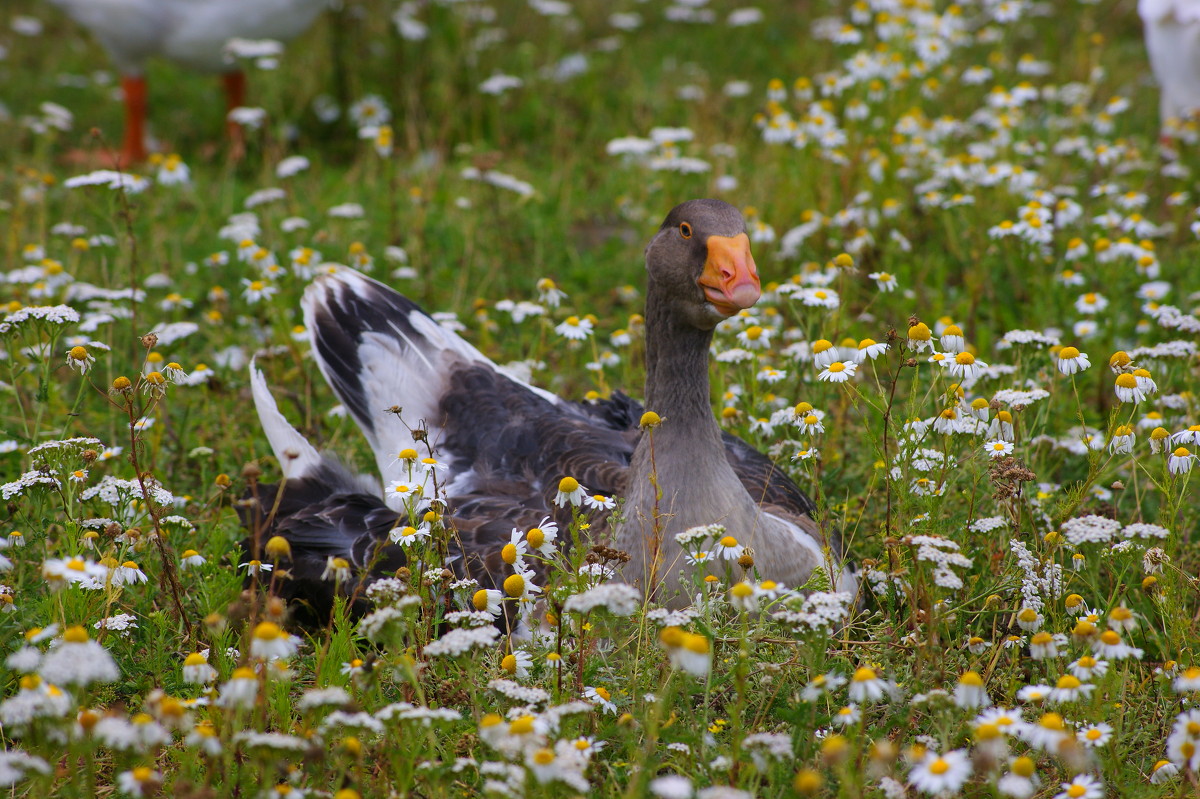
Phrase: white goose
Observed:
(1173, 44)
(507, 444)
(192, 33)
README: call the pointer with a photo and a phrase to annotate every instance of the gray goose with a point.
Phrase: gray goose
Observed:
(506, 444)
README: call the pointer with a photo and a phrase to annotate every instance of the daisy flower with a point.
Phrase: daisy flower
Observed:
(952, 340)
(1095, 735)
(998, 448)
(885, 281)
(256, 290)
(966, 367)
(1021, 781)
(1047, 733)
(599, 695)
(270, 642)
(1071, 360)
(197, 671)
(866, 685)
(970, 692)
(1162, 771)
(1069, 689)
(1180, 461)
(728, 548)
(920, 337)
(1087, 667)
(1042, 645)
(822, 684)
(838, 372)
(848, 716)
(823, 353)
(1084, 786)
(570, 492)
(755, 337)
(79, 358)
(1091, 303)
(1127, 390)
(810, 424)
(869, 349)
(487, 600)
(574, 328)
(944, 773)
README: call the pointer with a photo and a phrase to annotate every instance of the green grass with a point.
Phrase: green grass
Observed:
(472, 245)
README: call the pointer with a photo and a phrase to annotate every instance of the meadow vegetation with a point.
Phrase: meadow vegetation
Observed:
(977, 349)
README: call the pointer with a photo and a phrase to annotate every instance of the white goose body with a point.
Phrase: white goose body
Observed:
(505, 445)
(192, 33)
(1173, 45)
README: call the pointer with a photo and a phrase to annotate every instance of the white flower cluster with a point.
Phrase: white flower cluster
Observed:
(1017, 398)
(820, 611)
(698, 535)
(619, 599)
(118, 493)
(28, 480)
(405, 711)
(521, 693)
(1090, 529)
(1038, 582)
(944, 554)
(672, 618)
(987, 524)
(387, 619)
(463, 640)
(1145, 530)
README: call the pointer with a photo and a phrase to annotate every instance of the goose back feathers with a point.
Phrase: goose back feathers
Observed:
(504, 445)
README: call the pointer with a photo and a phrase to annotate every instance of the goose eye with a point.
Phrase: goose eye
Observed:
(685, 230)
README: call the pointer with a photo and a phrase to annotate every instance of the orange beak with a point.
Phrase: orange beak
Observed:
(730, 278)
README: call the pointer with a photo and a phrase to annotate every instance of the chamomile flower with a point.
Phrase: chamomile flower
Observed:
(866, 685)
(1071, 360)
(1091, 303)
(196, 669)
(838, 372)
(601, 697)
(1069, 689)
(822, 684)
(1180, 461)
(869, 350)
(1087, 667)
(570, 492)
(885, 281)
(270, 642)
(966, 367)
(970, 691)
(848, 716)
(823, 353)
(1127, 390)
(79, 358)
(998, 448)
(728, 548)
(1095, 735)
(599, 502)
(1083, 786)
(920, 337)
(1021, 780)
(541, 538)
(952, 340)
(755, 337)
(941, 773)
(574, 328)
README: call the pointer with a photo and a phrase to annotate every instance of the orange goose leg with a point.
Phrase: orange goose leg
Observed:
(133, 148)
(235, 97)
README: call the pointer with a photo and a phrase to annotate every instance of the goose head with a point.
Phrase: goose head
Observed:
(700, 263)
